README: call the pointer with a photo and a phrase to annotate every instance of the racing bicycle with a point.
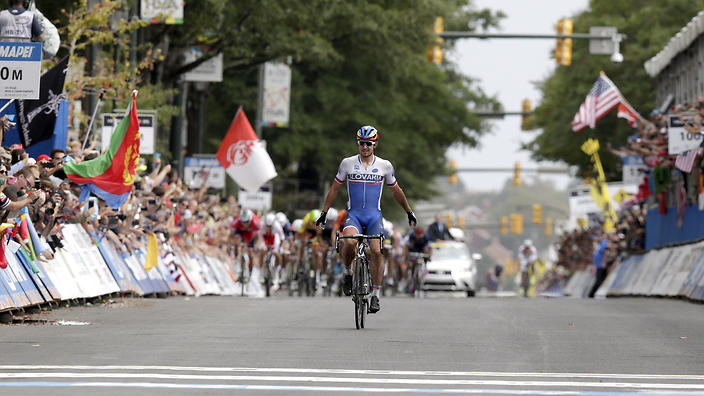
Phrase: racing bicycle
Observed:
(417, 267)
(361, 277)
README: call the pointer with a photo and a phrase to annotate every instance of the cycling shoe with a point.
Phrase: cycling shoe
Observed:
(347, 285)
(374, 306)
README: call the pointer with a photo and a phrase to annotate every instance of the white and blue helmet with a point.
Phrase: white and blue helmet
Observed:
(367, 132)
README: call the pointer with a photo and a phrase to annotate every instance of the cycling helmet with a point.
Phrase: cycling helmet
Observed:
(367, 132)
(246, 216)
(297, 224)
(269, 219)
(281, 218)
(332, 215)
(418, 230)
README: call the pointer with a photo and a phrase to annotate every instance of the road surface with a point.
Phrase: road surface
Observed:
(282, 346)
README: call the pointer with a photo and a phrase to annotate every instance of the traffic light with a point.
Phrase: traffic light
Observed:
(517, 174)
(525, 114)
(504, 225)
(516, 223)
(453, 175)
(434, 51)
(460, 222)
(548, 226)
(567, 43)
(563, 49)
(558, 47)
(448, 220)
(537, 214)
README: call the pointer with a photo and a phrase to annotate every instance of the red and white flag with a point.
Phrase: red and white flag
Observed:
(601, 99)
(685, 161)
(244, 157)
(628, 113)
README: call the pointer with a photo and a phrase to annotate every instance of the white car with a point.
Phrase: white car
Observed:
(451, 268)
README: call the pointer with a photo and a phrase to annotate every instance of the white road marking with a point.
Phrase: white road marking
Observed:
(359, 372)
(365, 380)
(327, 389)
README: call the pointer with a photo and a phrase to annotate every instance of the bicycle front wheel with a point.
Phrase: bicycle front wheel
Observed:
(358, 316)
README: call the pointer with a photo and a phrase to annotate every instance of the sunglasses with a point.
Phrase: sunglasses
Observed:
(365, 143)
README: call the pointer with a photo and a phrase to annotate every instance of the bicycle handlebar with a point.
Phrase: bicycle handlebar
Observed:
(359, 238)
(416, 254)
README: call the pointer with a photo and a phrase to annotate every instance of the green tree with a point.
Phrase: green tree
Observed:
(648, 26)
(375, 72)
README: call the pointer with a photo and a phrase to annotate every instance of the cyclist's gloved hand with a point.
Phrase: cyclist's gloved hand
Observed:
(411, 218)
(321, 220)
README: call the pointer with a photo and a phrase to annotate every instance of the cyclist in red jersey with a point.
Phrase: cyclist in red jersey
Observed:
(245, 228)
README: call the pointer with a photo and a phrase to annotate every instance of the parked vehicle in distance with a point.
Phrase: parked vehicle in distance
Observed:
(451, 268)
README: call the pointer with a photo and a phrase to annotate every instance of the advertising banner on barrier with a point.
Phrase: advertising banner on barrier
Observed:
(14, 290)
(5, 299)
(139, 274)
(679, 257)
(695, 273)
(227, 284)
(652, 266)
(123, 276)
(62, 279)
(22, 278)
(192, 271)
(41, 281)
(87, 260)
(153, 275)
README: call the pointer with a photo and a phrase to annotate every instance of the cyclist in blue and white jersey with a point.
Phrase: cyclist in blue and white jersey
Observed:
(365, 175)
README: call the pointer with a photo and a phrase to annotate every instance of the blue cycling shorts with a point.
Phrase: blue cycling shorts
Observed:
(368, 222)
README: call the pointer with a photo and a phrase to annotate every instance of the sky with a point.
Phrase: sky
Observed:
(508, 69)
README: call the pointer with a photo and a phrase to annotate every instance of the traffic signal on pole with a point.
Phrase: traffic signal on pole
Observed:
(516, 223)
(537, 214)
(460, 222)
(434, 51)
(504, 225)
(517, 174)
(567, 43)
(525, 114)
(563, 49)
(548, 226)
(558, 47)
(448, 220)
(453, 175)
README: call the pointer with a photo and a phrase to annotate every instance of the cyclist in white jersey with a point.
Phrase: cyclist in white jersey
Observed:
(365, 174)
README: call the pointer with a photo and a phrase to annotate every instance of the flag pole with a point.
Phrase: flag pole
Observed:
(92, 118)
(9, 102)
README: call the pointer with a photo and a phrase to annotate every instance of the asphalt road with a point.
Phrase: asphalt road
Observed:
(281, 346)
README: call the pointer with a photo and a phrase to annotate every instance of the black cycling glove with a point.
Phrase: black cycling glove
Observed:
(321, 220)
(411, 218)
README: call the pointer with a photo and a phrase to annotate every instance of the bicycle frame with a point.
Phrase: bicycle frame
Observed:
(362, 280)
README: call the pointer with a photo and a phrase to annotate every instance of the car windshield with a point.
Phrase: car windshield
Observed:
(450, 253)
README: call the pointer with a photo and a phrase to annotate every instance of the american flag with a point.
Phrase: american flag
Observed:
(602, 98)
(685, 161)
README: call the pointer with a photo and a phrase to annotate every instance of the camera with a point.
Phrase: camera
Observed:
(37, 184)
(616, 57)
(49, 211)
(48, 164)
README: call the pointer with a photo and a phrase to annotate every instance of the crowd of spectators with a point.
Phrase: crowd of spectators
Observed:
(160, 203)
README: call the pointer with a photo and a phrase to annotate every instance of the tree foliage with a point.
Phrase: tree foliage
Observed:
(372, 70)
(353, 63)
(648, 26)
